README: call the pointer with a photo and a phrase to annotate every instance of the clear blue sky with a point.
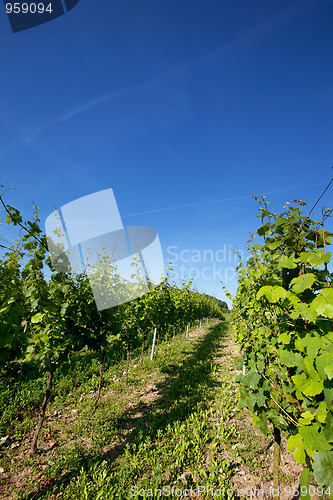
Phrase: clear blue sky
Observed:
(186, 106)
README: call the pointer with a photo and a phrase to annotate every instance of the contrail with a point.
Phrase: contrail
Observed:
(222, 200)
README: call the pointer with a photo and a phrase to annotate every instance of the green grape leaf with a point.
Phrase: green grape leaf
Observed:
(279, 221)
(325, 359)
(313, 344)
(260, 398)
(306, 418)
(321, 413)
(308, 386)
(296, 445)
(284, 337)
(291, 359)
(263, 229)
(37, 318)
(303, 282)
(303, 310)
(246, 401)
(329, 370)
(328, 429)
(273, 245)
(313, 439)
(328, 393)
(323, 303)
(44, 338)
(286, 262)
(316, 257)
(323, 468)
(293, 299)
(272, 293)
(250, 380)
(310, 368)
(260, 422)
(304, 482)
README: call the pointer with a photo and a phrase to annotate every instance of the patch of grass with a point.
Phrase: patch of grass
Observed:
(179, 442)
(169, 426)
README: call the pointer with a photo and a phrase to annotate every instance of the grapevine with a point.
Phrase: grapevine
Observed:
(282, 319)
(44, 323)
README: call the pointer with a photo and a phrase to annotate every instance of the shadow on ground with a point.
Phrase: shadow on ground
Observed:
(172, 400)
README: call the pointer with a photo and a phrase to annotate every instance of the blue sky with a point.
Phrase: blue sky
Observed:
(183, 107)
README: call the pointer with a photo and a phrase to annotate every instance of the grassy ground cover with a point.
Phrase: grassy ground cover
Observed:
(172, 431)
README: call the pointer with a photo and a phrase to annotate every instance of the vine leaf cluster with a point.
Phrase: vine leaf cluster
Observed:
(283, 321)
(46, 323)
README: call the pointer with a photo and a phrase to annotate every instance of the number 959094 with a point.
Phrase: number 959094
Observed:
(28, 8)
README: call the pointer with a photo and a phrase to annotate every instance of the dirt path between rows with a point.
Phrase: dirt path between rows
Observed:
(254, 476)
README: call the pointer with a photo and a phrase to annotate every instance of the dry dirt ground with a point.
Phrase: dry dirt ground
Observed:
(254, 477)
